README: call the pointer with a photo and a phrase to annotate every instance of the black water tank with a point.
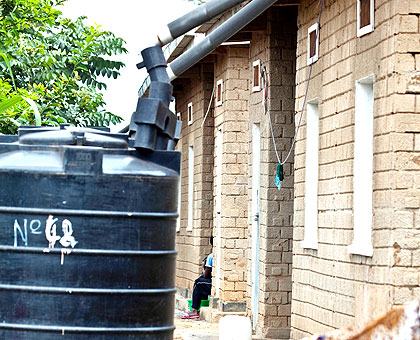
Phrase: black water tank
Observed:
(87, 237)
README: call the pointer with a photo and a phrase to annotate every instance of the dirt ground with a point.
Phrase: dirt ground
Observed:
(194, 329)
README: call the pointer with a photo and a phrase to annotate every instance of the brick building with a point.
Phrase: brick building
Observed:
(338, 243)
(356, 231)
(251, 220)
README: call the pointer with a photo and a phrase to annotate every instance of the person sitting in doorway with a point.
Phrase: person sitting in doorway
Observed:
(202, 287)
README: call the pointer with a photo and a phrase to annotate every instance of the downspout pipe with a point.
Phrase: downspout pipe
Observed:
(229, 28)
(196, 17)
(153, 126)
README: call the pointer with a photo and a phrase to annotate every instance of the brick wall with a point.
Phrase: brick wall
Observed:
(332, 288)
(403, 84)
(230, 237)
(193, 245)
(276, 50)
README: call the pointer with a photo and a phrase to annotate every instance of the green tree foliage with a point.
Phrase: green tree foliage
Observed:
(54, 62)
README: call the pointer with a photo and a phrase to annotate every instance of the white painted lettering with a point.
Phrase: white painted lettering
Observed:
(23, 233)
(51, 231)
(67, 238)
(20, 232)
(35, 229)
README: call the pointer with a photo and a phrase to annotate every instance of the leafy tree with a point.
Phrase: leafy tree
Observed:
(54, 62)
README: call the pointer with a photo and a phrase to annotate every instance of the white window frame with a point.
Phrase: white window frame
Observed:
(172, 105)
(310, 240)
(256, 63)
(363, 168)
(218, 182)
(219, 100)
(369, 28)
(178, 220)
(190, 118)
(219, 165)
(311, 29)
(190, 188)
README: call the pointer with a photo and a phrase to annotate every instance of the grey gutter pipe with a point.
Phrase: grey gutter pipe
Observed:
(196, 17)
(229, 28)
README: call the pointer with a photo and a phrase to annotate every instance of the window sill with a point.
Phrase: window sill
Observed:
(312, 60)
(364, 30)
(309, 244)
(361, 249)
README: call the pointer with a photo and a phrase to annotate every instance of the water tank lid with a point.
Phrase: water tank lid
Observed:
(80, 137)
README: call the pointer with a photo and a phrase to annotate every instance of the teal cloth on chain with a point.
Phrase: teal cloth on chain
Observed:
(279, 176)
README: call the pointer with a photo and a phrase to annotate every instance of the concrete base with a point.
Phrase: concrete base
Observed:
(234, 327)
(206, 313)
(213, 315)
(181, 303)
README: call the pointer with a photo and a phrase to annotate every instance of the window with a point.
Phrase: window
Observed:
(219, 165)
(365, 16)
(310, 240)
(313, 43)
(218, 181)
(363, 169)
(178, 221)
(256, 76)
(172, 105)
(178, 116)
(190, 187)
(190, 113)
(219, 92)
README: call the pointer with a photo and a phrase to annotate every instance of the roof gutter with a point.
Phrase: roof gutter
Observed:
(153, 126)
(229, 28)
(195, 18)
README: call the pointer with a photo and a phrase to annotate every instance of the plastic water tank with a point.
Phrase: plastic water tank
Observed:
(87, 237)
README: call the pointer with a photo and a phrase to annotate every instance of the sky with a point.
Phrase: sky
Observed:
(136, 21)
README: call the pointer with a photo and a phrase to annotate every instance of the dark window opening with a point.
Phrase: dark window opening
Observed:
(256, 75)
(190, 114)
(364, 13)
(312, 43)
